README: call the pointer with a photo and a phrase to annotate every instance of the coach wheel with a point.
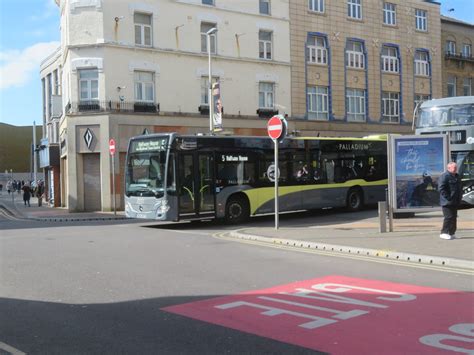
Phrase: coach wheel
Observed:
(237, 210)
(355, 200)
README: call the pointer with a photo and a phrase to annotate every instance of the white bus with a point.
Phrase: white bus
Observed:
(454, 116)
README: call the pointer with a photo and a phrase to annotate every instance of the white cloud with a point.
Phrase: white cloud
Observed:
(18, 67)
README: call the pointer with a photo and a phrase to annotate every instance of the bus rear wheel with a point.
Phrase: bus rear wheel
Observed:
(355, 200)
(237, 210)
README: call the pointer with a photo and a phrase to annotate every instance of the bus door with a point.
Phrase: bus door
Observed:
(196, 185)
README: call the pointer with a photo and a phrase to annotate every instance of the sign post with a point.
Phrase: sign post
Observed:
(112, 153)
(276, 128)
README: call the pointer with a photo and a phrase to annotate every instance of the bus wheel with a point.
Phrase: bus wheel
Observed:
(237, 210)
(355, 200)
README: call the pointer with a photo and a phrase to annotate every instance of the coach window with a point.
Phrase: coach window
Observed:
(235, 168)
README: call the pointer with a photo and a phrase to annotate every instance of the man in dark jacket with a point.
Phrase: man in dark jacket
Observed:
(450, 195)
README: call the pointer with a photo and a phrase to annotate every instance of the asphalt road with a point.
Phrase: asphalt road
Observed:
(100, 288)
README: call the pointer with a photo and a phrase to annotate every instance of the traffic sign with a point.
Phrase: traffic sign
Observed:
(275, 127)
(112, 146)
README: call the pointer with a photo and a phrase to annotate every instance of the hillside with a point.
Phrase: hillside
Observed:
(15, 147)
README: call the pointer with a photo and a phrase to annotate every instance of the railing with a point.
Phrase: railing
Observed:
(94, 106)
(458, 56)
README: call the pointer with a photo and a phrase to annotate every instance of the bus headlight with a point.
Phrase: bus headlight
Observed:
(164, 206)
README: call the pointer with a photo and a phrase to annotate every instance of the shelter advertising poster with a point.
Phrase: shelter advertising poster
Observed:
(417, 163)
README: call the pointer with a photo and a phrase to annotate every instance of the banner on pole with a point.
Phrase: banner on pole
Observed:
(217, 112)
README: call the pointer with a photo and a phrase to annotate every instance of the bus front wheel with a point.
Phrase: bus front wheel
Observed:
(237, 210)
(355, 200)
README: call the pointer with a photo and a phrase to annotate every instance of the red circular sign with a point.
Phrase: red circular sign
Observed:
(275, 127)
(112, 146)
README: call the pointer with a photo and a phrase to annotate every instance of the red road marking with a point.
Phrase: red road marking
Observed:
(343, 315)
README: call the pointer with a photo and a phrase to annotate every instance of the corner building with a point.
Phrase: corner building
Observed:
(129, 67)
(359, 66)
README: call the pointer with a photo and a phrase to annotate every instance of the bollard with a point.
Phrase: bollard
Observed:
(382, 216)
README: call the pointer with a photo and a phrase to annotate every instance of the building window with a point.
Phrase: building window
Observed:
(354, 9)
(318, 102)
(56, 82)
(391, 107)
(355, 105)
(467, 88)
(317, 51)
(419, 98)
(355, 55)
(389, 14)
(466, 50)
(316, 5)
(451, 85)
(205, 27)
(205, 88)
(390, 61)
(143, 33)
(421, 20)
(266, 94)
(43, 85)
(265, 44)
(422, 65)
(208, 2)
(264, 6)
(89, 85)
(144, 87)
(450, 47)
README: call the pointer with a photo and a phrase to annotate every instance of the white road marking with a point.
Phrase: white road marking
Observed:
(10, 349)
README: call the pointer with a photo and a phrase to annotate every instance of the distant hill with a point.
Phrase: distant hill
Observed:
(15, 147)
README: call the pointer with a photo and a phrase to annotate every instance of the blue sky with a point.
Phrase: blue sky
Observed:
(29, 32)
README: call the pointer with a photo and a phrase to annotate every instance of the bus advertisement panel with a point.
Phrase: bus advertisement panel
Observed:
(416, 165)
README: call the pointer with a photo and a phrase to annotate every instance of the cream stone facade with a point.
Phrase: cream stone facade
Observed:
(133, 66)
(48, 146)
(359, 65)
(457, 38)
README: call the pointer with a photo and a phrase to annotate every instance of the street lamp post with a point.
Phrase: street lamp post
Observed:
(13, 191)
(211, 104)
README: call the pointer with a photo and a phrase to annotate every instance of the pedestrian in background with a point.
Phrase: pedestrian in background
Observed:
(39, 192)
(26, 194)
(450, 196)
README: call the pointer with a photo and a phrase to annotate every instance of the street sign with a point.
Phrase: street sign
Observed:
(112, 146)
(271, 173)
(275, 127)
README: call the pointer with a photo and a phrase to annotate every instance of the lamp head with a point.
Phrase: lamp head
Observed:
(211, 31)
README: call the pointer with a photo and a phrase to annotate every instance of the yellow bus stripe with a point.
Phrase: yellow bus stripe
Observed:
(259, 196)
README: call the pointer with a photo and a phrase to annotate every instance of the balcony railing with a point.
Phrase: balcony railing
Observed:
(458, 56)
(94, 106)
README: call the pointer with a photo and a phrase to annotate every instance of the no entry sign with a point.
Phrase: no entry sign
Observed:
(275, 127)
(112, 146)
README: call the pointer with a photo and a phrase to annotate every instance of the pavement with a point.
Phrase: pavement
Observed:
(14, 208)
(413, 240)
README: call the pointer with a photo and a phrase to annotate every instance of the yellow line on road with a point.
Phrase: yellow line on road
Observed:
(349, 256)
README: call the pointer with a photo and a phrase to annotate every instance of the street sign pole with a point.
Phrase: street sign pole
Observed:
(276, 129)
(113, 183)
(276, 184)
(112, 153)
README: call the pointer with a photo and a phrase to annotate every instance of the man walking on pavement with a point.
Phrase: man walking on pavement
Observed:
(450, 195)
